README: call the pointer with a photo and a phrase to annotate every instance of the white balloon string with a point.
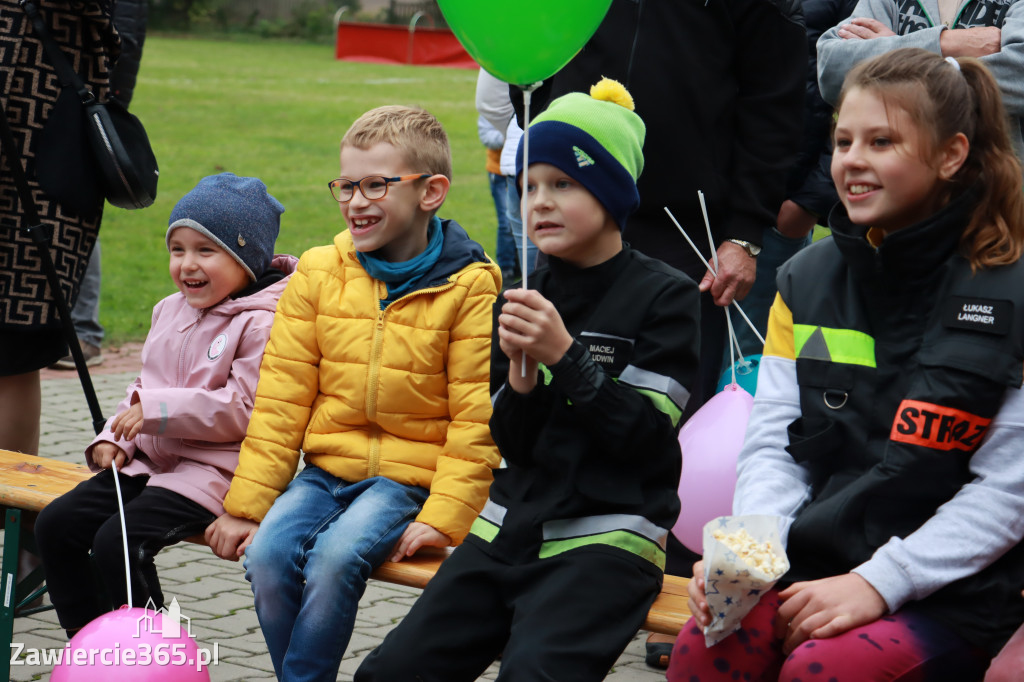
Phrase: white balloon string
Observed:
(714, 258)
(527, 92)
(739, 351)
(526, 170)
(707, 228)
(124, 533)
(714, 273)
(733, 345)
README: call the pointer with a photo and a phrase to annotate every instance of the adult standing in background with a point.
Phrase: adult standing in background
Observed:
(810, 192)
(991, 30)
(494, 104)
(130, 21)
(505, 244)
(130, 18)
(30, 333)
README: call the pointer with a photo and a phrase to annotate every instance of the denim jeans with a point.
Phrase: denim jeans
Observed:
(86, 311)
(310, 559)
(515, 224)
(505, 254)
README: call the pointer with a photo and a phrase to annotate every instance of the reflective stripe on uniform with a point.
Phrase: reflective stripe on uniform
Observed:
(628, 532)
(667, 394)
(484, 529)
(624, 540)
(845, 346)
(493, 512)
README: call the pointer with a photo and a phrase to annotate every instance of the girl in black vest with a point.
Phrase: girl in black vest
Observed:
(886, 427)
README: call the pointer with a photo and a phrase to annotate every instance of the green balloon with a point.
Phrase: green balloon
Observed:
(525, 41)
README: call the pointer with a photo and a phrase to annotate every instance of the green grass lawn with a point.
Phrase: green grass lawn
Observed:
(274, 110)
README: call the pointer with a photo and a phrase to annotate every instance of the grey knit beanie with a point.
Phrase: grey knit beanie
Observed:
(236, 213)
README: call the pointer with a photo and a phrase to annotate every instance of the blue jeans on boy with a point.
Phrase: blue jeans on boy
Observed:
(310, 559)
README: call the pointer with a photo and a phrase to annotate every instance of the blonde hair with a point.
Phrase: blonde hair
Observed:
(413, 131)
(943, 100)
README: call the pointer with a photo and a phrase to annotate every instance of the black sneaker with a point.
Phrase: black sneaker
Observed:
(93, 356)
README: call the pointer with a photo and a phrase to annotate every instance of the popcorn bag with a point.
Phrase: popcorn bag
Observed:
(743, 559)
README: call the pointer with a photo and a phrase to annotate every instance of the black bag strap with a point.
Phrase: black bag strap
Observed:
(41, 235)
(67, 76)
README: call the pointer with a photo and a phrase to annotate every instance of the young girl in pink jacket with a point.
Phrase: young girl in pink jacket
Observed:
(175, 437)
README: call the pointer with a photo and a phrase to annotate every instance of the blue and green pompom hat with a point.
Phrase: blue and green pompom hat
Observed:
(596, 139)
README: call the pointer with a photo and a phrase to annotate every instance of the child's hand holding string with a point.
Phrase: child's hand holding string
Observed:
(126, 425)
(530, 323)
(105, 453)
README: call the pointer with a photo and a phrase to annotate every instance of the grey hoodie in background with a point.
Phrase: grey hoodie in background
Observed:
(917, 24)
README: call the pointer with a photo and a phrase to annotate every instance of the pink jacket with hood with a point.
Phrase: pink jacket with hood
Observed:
(198, 381)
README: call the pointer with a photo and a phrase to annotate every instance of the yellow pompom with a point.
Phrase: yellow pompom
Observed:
(609, 90)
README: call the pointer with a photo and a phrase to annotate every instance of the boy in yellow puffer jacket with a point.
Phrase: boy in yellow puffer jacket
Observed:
(377, 369)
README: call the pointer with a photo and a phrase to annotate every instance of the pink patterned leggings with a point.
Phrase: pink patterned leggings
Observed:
(904, 647)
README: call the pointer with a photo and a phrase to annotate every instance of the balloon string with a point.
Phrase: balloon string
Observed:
(714, 273)
(733, 345)
(522, 197)
(527, 93)
(124, 533)
(714, 258)
(707, 228)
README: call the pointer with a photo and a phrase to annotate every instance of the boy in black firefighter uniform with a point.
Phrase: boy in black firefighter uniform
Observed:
(561, 567)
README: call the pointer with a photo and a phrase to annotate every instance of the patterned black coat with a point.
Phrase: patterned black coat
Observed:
(28, 91)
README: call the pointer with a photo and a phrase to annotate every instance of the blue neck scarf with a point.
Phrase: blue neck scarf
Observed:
(401, 278)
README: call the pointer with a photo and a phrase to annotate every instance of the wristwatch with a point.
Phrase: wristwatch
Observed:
(751, 249)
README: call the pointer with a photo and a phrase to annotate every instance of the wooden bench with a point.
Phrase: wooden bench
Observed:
(28, 483)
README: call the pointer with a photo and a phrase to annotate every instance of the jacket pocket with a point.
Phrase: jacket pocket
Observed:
(814, 446)
(972, 355)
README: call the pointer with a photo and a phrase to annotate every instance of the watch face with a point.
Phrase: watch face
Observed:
(751, 249)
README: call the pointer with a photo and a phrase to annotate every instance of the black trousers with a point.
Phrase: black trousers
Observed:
(86, 518)
(564, 618)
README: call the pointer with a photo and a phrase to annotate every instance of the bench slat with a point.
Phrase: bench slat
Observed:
(30, 483)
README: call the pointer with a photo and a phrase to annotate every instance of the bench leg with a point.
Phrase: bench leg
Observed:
(9, 577)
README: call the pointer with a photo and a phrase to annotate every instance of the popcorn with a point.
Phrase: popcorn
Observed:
(743, 559)
(760, 556)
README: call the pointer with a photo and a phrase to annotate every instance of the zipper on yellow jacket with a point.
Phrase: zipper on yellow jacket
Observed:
(376, 353)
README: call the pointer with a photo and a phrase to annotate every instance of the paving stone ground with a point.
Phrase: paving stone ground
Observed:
(211, 592)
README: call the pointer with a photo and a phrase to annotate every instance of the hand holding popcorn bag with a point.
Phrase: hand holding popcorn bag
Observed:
(743, 559)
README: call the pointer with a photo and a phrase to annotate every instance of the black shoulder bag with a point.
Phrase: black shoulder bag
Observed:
(90, 149)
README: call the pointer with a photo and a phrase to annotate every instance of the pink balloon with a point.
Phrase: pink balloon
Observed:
(711, 441)
(133, 644)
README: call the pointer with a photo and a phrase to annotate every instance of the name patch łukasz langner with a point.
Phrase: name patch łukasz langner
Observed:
(611, 352)
(978, 314)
